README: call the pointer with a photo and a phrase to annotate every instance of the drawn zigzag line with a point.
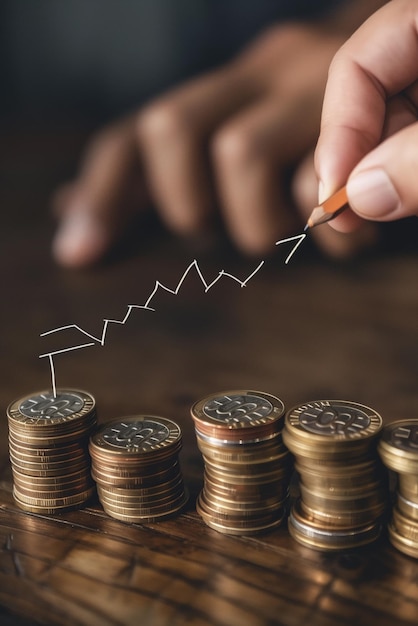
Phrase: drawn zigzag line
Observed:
(158, 285)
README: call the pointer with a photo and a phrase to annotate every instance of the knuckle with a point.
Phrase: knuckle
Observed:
(337, 63)
(161, 120)
(233, 145)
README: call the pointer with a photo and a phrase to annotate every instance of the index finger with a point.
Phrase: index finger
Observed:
(378, 61)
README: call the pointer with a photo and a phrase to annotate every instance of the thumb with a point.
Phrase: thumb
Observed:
(384, 185)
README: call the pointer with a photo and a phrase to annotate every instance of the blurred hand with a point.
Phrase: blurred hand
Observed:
(371, 109)
(225, 141)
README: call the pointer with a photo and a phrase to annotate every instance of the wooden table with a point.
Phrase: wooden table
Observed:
(307, 330)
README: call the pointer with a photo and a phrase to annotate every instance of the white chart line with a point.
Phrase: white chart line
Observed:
(50, 356)
(158, 285)
(300, 238)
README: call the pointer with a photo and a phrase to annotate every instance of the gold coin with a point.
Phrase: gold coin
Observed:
(156, 488)
(39, 461)
(50, 472)
(41, 410)
(275, 440)
(223, 474)
(339, 486)
(405, 526)
(348, 519)
(247, 506)
(253, 530)
(211, 453)
(303, 531)
(398, 464)
(242, 492)
(327, 422)
(58, 432)
(248, 470)
(140, 462)
(142, 518)
(328, 455)
(370, 467)
(239, 526)
(79, 484)
(43, 462)
(122, 471)
(407, 507)
(137, 437)
(408, 486)
(52, 503)
(398, 446)
(134, 479)
(331, 504)
(52, 494)
(401, 543)
(132, 497)
(346, 493)
(64, 479)
(143, 507)
(239, 415)
(52, 510)
(48, 451)
(317, 459)
(221, 512)
(34, 442)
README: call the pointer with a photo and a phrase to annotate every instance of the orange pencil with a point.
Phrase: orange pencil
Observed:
(329, 209)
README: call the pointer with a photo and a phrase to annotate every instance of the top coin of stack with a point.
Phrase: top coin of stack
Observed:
(136, 467)
(342, 484)
(398, 449)
(247, 467)
(48, 446)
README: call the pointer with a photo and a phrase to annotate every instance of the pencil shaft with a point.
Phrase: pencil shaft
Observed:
(329, 209)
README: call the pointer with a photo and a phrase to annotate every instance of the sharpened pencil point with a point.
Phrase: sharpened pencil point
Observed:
(329, 209)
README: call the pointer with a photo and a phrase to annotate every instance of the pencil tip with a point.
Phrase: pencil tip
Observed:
(306, 227)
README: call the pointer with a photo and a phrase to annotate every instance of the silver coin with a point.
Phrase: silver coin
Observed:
(330, 539)
(335, 419)
(47, 405)
(402, 435)
(237, 409)
(137, 434)
(230, 409)
(43, 408)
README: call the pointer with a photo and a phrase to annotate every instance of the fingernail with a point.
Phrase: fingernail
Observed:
(372, 194)
(78, 240)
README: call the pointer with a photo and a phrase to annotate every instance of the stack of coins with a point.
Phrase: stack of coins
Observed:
(247, 467)
(343, 487)
(135, 463)
(398, 448)
(48, 446)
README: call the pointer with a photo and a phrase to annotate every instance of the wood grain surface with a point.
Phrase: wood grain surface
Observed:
(304, 331)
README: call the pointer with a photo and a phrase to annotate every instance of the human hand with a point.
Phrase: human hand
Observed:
(369, 130)
(227, 140)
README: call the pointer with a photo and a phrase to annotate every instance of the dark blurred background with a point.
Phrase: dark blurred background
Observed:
(96, 59)
(70, 67)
